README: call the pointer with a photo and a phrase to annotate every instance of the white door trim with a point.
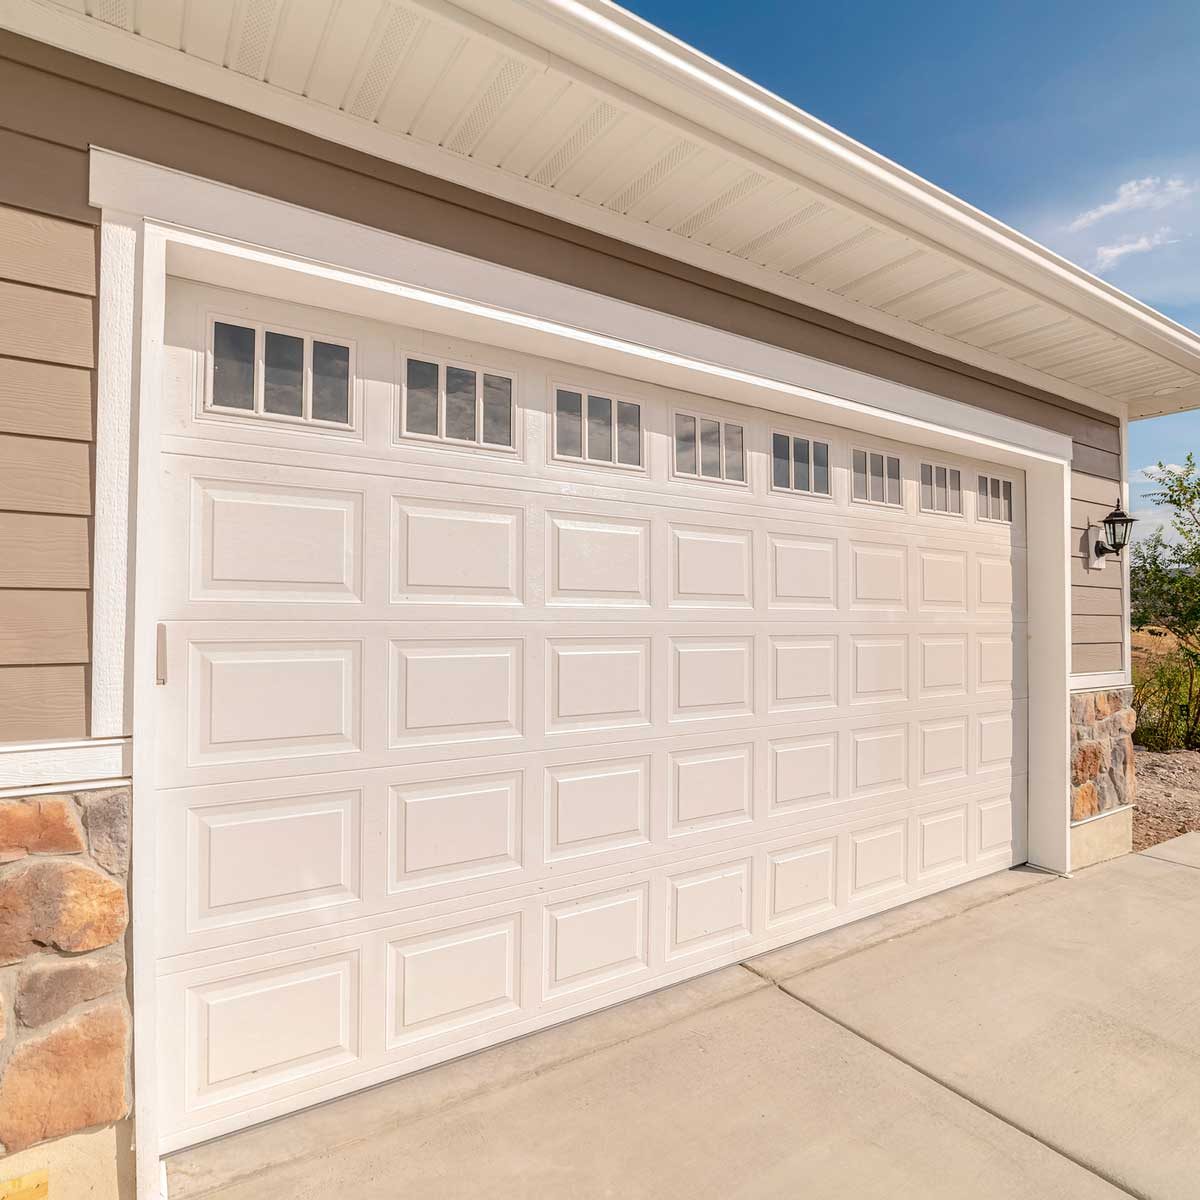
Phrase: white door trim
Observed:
(194, 226)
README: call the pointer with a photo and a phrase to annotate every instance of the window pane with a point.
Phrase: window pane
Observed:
(1008, 503)
(283, 382)
(685, 444)
(860, 475)
(821, 468)
(331, 383)
(710, 449)
(568, 436)
(981, 507)
(877, 477)
(955, 492)
(800, 455)
(599, 429)
(995, 509)
(421, 397)
(629, 433)
(497, 410)
(233, 366)
(460, 404)
(735, 454)
(893, 481)
(941, 498)
(927, 487)
(780, 470)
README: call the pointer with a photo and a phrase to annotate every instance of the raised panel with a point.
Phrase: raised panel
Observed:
(711, 677)
(879, 759)
(803, 571)
(994, 741)
(255, 700)
(711, 568)
(804, 771)
(942, 664)
(456, 691)
(263, 542)
(598, 806)
(803, 881)
(878, 576)
(803, 673)
(711, 788)
(879, 669)
(598, 683)
(942, 744)
(238, 1044)
(943, 580)
(878, 859)
(457, 553)
(707, 907)
(995, 584)
(598, 560)
(264, 858)
(942, 840)
(596, 939)
(453, 979)
(454, 829)
(993, 663)
(995, 826)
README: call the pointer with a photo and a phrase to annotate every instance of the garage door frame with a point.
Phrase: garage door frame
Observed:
(155, 220)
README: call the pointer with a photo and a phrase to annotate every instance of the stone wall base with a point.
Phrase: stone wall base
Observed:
(1106, 837)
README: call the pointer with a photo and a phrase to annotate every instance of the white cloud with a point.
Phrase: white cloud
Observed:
(1152, 192)
(1109, 256)
(1149, 473)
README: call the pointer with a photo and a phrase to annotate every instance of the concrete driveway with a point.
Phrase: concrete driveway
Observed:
(1021, 1036)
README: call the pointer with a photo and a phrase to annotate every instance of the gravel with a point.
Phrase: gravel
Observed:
(1168, 796)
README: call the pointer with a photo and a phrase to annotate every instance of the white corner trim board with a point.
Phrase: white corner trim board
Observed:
(217, 234)
(64, 766)
(1099, 680)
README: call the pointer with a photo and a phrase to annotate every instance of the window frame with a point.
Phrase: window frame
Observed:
(900, 505)
(402, 436)
(806, 494)
(934, 465)
(1003, 481)
(614, 398)
(698, 416)
(259, 413)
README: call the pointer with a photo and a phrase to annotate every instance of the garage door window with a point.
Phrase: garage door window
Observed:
(279, 374)
(941, 489)
(995, 501)
(876, 478)
(597, 429)
(454, 403)
(799, 465)
(709, 449)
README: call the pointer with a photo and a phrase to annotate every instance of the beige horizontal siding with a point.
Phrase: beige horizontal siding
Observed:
(1099, 623)
(1095, 489)
(47, 326)
(45, 399)
(1095, 630)
(1107, 579)
(41, 628)
(42, 703)
(1086, 659)
(1097, 602)
(40, 551)
(47, 251)
(44, 476)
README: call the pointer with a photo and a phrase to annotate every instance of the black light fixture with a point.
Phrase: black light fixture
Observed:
(1117, 527)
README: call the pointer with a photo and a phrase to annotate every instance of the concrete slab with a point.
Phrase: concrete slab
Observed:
(1185, 850)
(758, 1097)
(789, 961)
(1068, 1010)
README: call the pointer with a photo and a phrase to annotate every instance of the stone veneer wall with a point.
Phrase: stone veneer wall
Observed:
(64, 1015)
(1102, 761)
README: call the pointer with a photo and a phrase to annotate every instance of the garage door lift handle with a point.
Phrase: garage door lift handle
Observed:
(160, 655)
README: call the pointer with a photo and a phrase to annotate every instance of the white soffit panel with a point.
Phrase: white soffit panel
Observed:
(583, 111)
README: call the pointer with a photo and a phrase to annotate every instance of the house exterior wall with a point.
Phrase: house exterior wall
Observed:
(53, 106)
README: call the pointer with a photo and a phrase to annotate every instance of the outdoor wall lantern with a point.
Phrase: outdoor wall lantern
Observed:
(1117, 527)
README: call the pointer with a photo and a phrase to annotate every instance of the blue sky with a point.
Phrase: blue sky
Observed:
(1073, 122)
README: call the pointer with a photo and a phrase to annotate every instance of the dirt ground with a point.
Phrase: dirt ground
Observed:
(1168, 796)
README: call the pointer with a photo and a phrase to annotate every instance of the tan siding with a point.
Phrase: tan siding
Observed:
(1104, 463)
(42, 703)
(43, 476)
(47, 326)
(52, 179)
(1090, 630)
(1099, 622)
(43, 551)
(45, 399)
(1109, 579)
(39, 628)
(1097, 602)
(1093, 489)
(47, 252)
(1086, 659)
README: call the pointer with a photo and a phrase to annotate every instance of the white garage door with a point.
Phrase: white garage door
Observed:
(497, 690)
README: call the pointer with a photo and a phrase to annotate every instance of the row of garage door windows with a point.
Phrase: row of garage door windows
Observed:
(300, 378)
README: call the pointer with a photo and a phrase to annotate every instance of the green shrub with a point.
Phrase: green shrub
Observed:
(1166, 695)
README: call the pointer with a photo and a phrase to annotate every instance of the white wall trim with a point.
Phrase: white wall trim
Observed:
(263, 244)
(64, 766)
(1098, 681)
